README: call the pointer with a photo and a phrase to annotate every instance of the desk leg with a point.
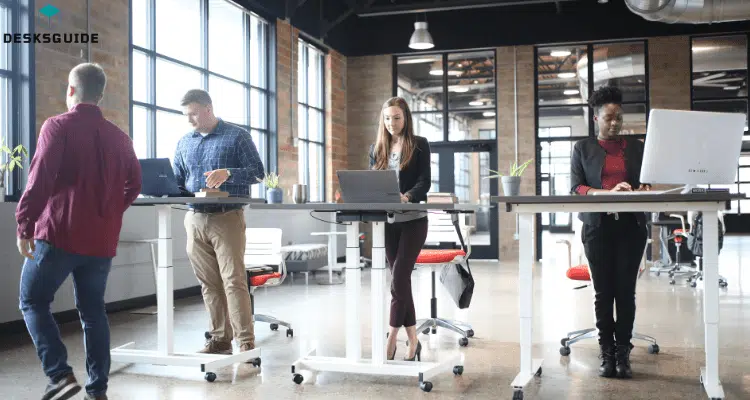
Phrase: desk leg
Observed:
(377, 290)
(710, 373)
(353, 287)
(165, 287)
(529, 366)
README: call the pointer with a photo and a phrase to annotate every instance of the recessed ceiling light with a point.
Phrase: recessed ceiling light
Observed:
(459, 65)
(476, 81)
(440, 72)
(458, 89)
(566, 75)
(731, 87)
(570, 92)
(476, 103)
(488, 114)
(559, 53)
(417, 60)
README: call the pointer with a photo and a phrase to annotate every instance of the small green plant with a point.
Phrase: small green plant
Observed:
(271, 180)
(14, 158)
(515, 170)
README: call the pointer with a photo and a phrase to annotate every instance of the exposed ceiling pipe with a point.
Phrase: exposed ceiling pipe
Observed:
(691, 11)
(446, 5)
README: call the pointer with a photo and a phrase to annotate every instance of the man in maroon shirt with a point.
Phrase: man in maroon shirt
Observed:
(83, 177)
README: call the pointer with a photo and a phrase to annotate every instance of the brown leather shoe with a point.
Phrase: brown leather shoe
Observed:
(216, 347)
(246, 347)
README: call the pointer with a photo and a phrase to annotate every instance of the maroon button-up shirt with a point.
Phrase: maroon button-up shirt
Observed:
(83, 177)
(614, 170)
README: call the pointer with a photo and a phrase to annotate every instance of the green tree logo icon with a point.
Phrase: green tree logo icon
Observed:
(49, 11)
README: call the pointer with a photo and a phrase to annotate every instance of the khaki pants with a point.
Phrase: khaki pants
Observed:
(216, 249)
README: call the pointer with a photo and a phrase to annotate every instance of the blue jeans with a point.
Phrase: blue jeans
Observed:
(40, 280)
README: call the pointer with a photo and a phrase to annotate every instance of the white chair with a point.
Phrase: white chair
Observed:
(441, 230)
(263, 249)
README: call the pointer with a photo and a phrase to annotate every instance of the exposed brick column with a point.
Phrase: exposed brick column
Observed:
(337, 151)
(286, 82)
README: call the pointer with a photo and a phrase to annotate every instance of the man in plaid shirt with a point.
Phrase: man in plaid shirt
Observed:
(218, 155)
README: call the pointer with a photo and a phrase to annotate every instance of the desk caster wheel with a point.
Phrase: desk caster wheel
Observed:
(458, 370)
(653, 349)
(693, 284)
(274, 327)
(425, 386)
(518, 395)
(298, 379)
(290, 332)
(207, 335)
(210, 376)
(463, 342)
(426, 331)
(255, 362)
(671, 282)
(565, 351)
(723, 284)
(564, 342)
(470, 333)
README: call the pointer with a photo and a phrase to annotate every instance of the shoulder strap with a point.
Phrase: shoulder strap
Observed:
(461, 239)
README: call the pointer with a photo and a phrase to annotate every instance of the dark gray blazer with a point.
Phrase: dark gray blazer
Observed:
(586, 166)
(414, 180)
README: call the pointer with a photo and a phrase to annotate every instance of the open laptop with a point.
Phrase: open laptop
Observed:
(158, 180)
(690, 148)
(369, 186)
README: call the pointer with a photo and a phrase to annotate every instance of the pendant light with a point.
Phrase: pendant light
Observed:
(421, 38)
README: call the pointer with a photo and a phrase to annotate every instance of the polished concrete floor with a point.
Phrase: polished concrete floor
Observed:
(672, 314)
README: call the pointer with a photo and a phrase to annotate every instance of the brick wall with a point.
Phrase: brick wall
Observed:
(286, 89)
(109, 19)
(524, 68)
(337, 151)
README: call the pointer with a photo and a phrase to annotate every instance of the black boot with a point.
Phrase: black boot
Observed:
(623, 361)
(607, 355)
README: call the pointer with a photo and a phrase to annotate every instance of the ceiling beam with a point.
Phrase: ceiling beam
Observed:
(447, 5)
(353, 6)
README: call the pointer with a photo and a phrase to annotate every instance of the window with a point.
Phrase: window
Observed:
(16, 80)
(565, 80)
(463, 94)
(719, 84)
(213, 45)
(311, 120)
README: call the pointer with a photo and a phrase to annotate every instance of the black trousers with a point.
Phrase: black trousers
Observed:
(614, 250)
(403, 242)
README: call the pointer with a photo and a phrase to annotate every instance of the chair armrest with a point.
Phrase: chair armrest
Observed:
(682, 221)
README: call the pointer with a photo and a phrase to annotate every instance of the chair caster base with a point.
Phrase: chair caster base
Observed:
(210, 376)
(463, 342)
(564, 351)
(425, 386)
(298, 378)
(653, 349)
(518, 395)
(458, 370)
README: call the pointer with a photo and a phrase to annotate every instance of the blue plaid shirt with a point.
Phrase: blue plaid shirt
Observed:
(227, 146)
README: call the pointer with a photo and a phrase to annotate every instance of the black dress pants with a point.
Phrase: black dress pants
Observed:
(614, 250)
(403, 243)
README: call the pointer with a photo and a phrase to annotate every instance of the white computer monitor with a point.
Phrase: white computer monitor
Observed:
(692, 148)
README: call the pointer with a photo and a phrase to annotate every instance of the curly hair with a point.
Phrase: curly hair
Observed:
(605, 95)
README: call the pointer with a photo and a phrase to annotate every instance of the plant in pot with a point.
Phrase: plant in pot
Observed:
(274, 194)
(512, 181)
(11, 160)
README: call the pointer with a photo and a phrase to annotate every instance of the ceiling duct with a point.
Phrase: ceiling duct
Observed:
(691, 11)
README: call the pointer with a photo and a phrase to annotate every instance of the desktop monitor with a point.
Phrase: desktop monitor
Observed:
(158, 178)
(369, 186)
(692, 147)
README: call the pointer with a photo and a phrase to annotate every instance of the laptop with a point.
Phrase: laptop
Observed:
(158, 180)
(369, 186)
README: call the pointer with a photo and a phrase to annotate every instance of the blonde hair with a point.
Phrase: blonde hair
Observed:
(383, 141)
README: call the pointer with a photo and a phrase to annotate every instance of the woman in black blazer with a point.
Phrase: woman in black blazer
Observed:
(397, 148)
(613, 242)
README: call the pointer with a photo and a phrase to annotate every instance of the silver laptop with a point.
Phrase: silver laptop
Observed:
(369, 186)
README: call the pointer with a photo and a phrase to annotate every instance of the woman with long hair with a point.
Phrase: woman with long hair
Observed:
(397, 148)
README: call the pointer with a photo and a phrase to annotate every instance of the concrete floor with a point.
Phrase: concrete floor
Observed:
(672, 314)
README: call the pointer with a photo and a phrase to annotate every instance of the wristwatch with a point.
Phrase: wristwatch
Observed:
(229, 173)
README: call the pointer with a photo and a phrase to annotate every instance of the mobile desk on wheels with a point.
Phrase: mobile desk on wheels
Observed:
(351, 215)
(708, 203)
(165, 354)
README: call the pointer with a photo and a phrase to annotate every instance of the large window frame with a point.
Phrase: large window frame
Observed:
(17, 111)
(311, 140)
(264, 135)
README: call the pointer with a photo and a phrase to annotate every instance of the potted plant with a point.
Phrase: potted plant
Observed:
(11, 160)
(274, 194)
(512, 182)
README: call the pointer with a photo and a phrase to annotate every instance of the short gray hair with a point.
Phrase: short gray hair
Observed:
(89, 80)
(196, 96)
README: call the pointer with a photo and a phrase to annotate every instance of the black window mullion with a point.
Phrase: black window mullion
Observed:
(151, 113)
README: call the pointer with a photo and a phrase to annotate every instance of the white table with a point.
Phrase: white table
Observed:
(332, 252)
(708, 203)
(165, 354)
(353, 362)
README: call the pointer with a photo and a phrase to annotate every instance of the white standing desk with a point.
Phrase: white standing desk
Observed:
(708, 203)
(353, 362)
(165, 354)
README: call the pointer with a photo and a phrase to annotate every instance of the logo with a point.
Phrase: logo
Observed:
(50, 11)
(697, 171)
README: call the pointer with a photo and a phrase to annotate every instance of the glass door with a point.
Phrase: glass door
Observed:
(463, 169)
(555, 181)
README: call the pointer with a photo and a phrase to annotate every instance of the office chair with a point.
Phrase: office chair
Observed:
(581, 273)
(442, 229)
(262, 249)
(679, 236)
(695, 242)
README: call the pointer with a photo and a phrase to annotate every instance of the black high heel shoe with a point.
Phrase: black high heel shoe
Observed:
(392, 355)
(417, 354)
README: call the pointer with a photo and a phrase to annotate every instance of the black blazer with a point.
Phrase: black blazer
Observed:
(586, 169)
(414, 180)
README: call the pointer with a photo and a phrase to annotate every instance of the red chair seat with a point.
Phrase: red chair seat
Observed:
(578, 273)
(260, 280)
(430, 256)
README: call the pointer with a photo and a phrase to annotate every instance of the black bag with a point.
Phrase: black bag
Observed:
(457, 280)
